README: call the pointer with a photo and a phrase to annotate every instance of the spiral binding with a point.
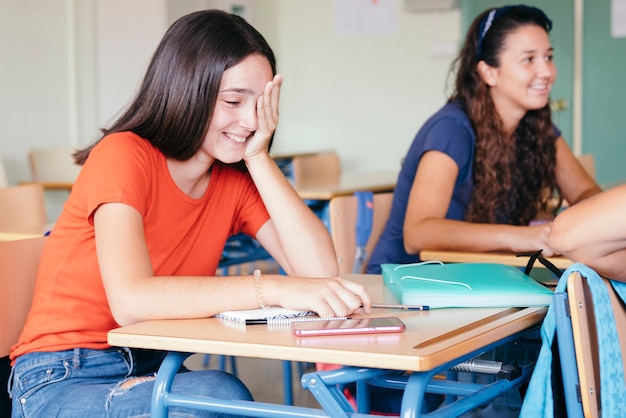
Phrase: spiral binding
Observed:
(289, 320)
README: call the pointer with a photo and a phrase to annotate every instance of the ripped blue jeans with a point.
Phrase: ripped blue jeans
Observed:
(90, 383)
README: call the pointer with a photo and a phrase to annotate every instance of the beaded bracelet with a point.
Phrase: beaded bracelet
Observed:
(258, 289)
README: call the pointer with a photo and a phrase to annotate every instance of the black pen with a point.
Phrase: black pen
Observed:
(400, 307)
(289, 320)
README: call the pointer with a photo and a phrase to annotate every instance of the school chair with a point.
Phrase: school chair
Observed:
(241, 252)
(244, 253)
(19, 261)
(356, 223)
(54, 167)
(23, 209)
(319, 168)
(598, 323)
(588, 163)
(313, 168)
(3, 174)
(588, 319)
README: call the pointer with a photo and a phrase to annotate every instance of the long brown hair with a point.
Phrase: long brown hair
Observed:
(174, 105)
(514, 176)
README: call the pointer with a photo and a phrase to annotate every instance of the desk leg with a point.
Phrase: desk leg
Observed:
(163, 382)
(414, 394)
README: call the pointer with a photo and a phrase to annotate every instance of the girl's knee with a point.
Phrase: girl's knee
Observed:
(213, 383)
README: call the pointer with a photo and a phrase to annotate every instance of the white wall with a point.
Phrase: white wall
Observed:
(34, 94)
(366, 95)
(67, 66)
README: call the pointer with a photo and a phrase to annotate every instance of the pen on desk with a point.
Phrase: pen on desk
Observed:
(289, 320)
(400, 307)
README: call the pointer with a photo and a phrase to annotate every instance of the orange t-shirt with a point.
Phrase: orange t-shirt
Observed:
(185, 236)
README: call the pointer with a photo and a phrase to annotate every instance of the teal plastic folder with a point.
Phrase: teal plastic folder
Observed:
(464, 285)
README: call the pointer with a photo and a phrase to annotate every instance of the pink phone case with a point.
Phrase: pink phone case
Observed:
(348, 326)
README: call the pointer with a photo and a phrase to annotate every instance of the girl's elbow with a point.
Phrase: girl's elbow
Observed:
(412, 243)
(124, 315)
(559, 239)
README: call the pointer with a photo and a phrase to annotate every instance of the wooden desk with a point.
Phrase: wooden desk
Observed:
(433, 341)
(348, 183)
(14, 236)
(488, 257)
(49, 185)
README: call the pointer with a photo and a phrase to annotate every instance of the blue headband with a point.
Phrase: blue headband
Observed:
(487, 21)
(484, 26)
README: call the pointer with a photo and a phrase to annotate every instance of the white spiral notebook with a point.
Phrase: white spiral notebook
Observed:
(271, 316)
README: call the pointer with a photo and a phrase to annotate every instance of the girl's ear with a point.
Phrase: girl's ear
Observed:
(487, 73)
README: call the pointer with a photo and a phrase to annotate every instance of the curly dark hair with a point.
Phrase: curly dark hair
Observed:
(514, 176)
(174, 105)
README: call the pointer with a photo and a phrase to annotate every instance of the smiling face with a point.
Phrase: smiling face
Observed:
(234, 117)
(525, 74)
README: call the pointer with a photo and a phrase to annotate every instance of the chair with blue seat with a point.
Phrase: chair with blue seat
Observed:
(597, 318)
(23, 209)
(240, 250)
(243, 252)
(356, 222)
(19, 261)
(587, 322)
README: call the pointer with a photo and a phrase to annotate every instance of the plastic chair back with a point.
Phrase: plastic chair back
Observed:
(343, 212)
(23, 209)
(53, 165)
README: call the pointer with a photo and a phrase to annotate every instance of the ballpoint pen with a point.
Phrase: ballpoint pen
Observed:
(400, 307)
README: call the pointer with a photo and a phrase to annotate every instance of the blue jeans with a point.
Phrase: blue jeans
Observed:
(87, 383)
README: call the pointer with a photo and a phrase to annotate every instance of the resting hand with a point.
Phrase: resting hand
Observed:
(267, 116)
(533, 238)
(327, 297)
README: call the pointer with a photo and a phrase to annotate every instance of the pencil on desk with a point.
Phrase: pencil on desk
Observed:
(401, 307)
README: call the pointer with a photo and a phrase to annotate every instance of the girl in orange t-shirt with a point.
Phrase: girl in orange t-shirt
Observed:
(183, 168)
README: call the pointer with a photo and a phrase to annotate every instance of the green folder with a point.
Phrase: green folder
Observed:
(464, 285)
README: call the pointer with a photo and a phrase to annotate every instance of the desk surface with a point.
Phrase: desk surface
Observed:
(488, 257)
(53, 185)
(348, 183)
(432, 337)
(14, 236)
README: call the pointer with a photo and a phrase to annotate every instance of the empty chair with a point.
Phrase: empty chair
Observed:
(19, 261)
(588, 163)
(54, 167)
(594, 305)
(3, 174)
(343, 211)
(315, 169)
(23, 209)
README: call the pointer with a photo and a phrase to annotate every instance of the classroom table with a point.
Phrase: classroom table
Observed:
(54, 185)
(433, 342)
(348, 183)
(560, 261)
(14, 236)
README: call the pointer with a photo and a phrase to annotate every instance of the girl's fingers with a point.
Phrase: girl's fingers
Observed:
(278, 81)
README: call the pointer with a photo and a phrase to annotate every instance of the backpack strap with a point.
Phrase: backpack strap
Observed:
(539, 397)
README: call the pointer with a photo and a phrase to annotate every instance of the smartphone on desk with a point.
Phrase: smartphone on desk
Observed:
(348, 326)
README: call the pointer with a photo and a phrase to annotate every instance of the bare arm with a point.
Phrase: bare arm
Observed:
(574, 182)
(295, 237)
(593, 232)
(136, 294)
(425, 225)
